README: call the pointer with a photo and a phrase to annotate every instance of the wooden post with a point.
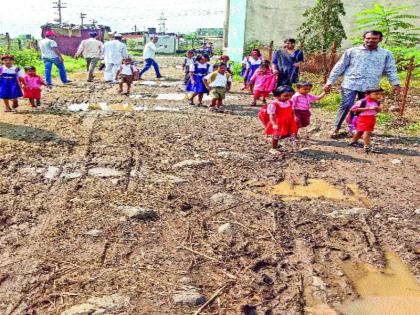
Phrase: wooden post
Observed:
(8, 44)
(19, 41)
(407, 86)
(270, 51)
(333, 55)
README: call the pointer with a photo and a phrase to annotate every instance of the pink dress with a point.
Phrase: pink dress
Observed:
(264, 83)
(32, 87)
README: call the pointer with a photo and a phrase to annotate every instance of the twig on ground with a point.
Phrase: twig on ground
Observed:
(200, 254)
(213, 297)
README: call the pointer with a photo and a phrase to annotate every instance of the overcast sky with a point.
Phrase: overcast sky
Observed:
(26, 16)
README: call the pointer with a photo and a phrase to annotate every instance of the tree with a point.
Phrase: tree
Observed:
(322, 26)
(131, 44)
(392, 22)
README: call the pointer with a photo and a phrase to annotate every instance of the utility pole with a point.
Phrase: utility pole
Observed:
(135, 28)
(93, 22)
(82, 17)
(226, 26)
(59, 6)
(162, 23)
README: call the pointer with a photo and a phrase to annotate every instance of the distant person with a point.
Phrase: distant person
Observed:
(51, 56)
(188, 64)
(32, 87)
(91, 50)
(196, 84)
(263, 82)
(11, 78)
(126, 75)
(365, 112)
(286, 63)
(225, 59)
(114, 51)
(218, 83)
(362, 67)
(149, 55)
(253, 63)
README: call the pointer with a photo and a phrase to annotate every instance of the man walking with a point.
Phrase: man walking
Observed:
(50, 55)
(149, 54)
(91, 50)
(113, 52)
(362, 67)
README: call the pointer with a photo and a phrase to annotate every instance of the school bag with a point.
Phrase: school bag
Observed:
(352, 116)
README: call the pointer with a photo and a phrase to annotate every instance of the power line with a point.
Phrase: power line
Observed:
(82, 17)
(59, 6)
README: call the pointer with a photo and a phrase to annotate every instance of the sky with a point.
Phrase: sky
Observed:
(26, 16)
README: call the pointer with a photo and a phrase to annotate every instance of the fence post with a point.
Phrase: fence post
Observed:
(19, 41)
(8, 42)
(270, 51)
(407, 86)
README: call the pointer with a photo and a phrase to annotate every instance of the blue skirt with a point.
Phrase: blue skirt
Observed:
(198, 87)
(9, 87)
(251, 72)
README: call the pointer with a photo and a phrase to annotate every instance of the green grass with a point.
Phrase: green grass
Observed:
(413, 128)
(329, 102)
(384, 119)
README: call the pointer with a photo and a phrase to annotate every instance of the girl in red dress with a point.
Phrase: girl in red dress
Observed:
(32, 87)
(282, 122)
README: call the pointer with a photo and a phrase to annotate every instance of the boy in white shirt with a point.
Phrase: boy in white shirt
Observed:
(126, 74)
(218, 83)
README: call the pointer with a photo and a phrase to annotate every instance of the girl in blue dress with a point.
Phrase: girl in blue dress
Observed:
(253, 64)
(195, 84)
(11, 79)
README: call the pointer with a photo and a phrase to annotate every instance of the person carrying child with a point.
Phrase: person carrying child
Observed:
(11, 79)
(218, 83)
(188, 64)
(195, 84)
(302, 101)
(364, 112)
(278, 117)
(32, 87)
(264, 82)
(126, 74)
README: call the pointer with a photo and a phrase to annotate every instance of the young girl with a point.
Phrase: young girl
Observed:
(188, 64)
(243, 71)
(32, 87)
(196, 84)
(126, 74)
(302, 103)
(253, 63)
(225, 60)
(263, 81)
(366, 111)
(11, 78)
(281, 122)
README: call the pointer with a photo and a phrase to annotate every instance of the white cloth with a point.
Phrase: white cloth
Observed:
(90, 48)
(46, 46)
(12, 70)
(220, 80)
(111, 71)
(127, 69)
(251, 62)
(114, 51)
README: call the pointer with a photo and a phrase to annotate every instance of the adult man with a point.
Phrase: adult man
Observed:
(149, 54)
(362, 68)
(114, 51)
(51, 55)
(91, 50)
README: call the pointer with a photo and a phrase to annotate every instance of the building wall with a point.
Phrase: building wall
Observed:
(277, 20)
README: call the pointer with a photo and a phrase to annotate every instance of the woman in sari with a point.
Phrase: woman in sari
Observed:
(286, 63)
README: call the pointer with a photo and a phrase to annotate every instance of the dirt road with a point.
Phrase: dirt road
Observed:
(159, 207)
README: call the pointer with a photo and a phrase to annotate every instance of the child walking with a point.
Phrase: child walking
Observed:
(253, 63)
(11, 79)
(32, 87)
(264, 82)
(196, 84)
(225, 59)
(366, 111)
(188, 64)
(126, 74)
(302, 101)
(278, 117)
(218, 82)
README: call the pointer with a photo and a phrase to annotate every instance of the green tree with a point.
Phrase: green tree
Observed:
(131, 44)
(392, 22)
(322, 26)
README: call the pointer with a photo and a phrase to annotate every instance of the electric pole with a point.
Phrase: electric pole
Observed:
(162, 23)
(135, 28)
(93, 22)
(59, 6)
(82, 17)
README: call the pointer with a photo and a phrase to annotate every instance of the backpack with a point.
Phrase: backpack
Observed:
(352, 116)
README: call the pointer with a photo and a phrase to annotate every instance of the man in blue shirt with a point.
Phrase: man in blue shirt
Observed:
(362, 68)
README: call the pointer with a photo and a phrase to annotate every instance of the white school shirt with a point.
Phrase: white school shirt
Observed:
(202, 66)
(149, 51)
(221, 80)
(189, 64)
(127, 69)
(114, 51)
(46, 46)
(12, 70)
(90, 48)
(252, 61)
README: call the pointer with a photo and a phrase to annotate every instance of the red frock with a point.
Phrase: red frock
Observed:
(283, 115)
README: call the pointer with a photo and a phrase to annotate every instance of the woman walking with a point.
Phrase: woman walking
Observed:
(286, 63)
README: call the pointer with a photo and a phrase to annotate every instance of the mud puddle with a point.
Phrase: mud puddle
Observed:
(118, 107)
(389, 291)
(318, 188)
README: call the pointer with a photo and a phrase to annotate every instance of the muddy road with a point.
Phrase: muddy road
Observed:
(147, 205)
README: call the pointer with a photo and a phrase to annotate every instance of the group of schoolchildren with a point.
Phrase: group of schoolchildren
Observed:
(288, 112)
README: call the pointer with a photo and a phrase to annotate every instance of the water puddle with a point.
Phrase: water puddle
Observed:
(318, 188)
(389, 291)
(171, 97)
(148, 83)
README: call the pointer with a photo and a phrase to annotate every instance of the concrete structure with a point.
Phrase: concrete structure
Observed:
(268, 20)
